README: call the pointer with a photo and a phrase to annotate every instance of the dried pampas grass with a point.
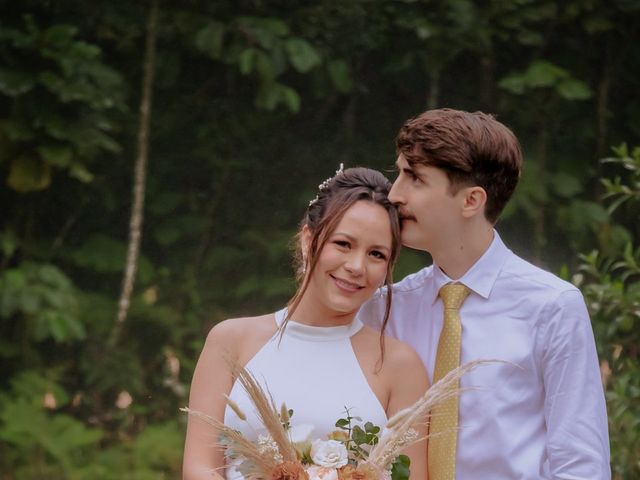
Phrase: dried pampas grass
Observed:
(267, 411)
(260, 465)
(400, 431)
(400, 425)
(257, 463)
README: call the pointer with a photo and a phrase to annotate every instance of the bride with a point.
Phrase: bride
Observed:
(315, 355)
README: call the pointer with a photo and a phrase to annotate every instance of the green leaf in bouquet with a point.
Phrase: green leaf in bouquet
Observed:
(371, 428)
(359, 436)
(342, 423)
(400, 468)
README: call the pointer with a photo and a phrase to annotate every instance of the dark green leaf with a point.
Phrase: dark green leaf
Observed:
(343, 422)
(14, 83)
(340, 75)
(302, 55)
(56, 155)
(572, 89)
(209, 39)
(400, 468)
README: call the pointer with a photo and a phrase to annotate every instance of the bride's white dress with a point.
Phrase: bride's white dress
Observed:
(314, 370)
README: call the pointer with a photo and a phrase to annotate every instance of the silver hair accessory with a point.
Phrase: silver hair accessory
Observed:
(325, 184)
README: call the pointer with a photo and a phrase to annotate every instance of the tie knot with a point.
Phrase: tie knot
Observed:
(453, 294)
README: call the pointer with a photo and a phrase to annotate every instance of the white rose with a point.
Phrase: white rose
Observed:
(322, 473)
(329, 453)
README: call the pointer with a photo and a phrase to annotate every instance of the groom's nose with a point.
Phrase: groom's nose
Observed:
(395, 194)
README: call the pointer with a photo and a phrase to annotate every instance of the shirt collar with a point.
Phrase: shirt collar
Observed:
(481, 277)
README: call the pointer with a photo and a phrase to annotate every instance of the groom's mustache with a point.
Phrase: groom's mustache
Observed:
(404, 215)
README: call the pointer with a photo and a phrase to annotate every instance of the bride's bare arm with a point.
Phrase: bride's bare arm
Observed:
(203, 459)
(408, 382)
(236, 340)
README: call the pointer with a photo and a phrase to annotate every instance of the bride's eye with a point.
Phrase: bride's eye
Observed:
(341, 243)
(378, 254)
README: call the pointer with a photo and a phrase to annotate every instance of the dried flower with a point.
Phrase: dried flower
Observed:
(322, 473)
(364, 471)
(339, 435)
(284, 414)
(289, 471)
(236, 409)
(400, 434)
(269, 448)
(266, 410)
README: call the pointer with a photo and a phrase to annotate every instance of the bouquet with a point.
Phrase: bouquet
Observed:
(351, 452)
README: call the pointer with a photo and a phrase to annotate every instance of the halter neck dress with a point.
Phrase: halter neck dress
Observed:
(314, 370)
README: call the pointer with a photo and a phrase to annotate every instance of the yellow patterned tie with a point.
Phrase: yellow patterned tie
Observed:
(444, 417)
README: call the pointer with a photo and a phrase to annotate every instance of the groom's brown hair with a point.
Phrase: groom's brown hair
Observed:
(471, 148)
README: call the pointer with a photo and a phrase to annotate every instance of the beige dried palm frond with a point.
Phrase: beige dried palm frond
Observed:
(262, 464)
(399, 426)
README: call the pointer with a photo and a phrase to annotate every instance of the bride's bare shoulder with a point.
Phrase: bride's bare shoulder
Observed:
(240, 338)
(398, 356)
(235, 329)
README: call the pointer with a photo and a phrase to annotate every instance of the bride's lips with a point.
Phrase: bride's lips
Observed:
(345, 285)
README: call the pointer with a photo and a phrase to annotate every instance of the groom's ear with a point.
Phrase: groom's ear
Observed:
(475, 199)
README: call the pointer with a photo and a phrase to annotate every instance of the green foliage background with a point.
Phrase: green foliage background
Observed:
(255, 103)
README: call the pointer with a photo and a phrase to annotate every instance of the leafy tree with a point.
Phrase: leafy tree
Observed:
(254, 103)
(610, 282)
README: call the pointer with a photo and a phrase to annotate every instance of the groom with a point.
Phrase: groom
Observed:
(541, 414)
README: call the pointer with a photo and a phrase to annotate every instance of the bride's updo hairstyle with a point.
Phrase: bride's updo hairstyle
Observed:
(335, 196)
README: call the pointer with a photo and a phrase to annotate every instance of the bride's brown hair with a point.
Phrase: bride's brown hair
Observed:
(324, 213)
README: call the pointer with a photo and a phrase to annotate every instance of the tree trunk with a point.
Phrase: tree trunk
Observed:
(433, 97)
(137, 208)
(540, 239)
(487, 78)
(604, 87)
(213, 204)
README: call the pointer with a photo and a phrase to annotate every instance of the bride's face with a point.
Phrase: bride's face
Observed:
(353, 262)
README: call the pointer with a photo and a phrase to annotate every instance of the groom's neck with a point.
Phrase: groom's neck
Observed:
(455, 256)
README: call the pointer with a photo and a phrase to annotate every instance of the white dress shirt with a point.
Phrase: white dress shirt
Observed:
(541, 416)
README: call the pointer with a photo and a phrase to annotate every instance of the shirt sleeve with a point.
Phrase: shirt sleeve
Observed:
(371, 313)
(574, 406)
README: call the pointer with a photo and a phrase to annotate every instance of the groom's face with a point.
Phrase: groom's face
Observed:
(430, 213)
